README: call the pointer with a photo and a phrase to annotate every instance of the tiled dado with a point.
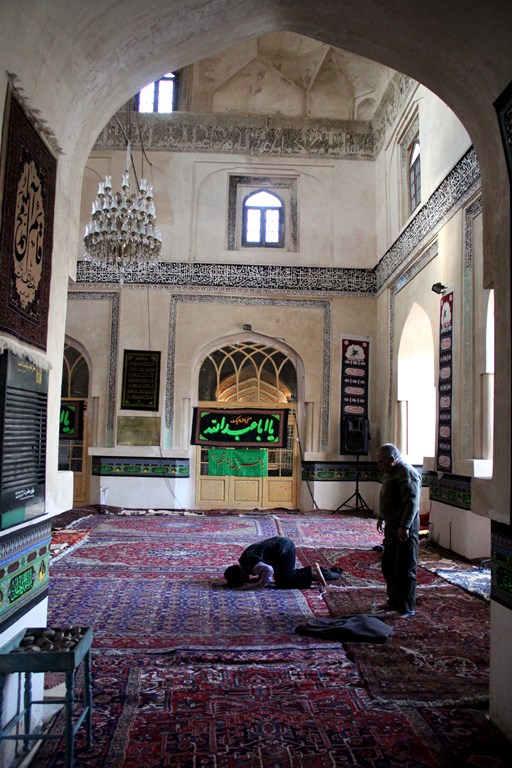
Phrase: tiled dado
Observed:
(24, 570)
(346, 472)
(339, 471)
(501, 563)
(453, 490)
(120, 466)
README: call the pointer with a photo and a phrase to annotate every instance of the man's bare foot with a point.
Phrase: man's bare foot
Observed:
(318, 575)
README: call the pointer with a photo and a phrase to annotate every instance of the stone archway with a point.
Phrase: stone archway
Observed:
(256, 374)
(114, 50)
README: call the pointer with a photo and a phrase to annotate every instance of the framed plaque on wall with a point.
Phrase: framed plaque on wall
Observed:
(141, 380)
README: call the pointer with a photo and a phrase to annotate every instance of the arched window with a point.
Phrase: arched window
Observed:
(414, 175)
(247, 372)
(263, 220)
(75, 374)
(160, 96)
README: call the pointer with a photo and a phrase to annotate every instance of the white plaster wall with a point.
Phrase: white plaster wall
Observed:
(89, 322)
(144, 492)
(443, 141)
(501, 632)
(143, 325)
(335, 214)
(327, 495)
(352, 207)
(460, 530)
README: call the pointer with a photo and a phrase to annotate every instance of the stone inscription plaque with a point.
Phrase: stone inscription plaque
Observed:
(138, 430)
(141, 380)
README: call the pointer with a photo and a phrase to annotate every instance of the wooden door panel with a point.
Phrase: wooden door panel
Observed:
(213, 489)
(246, 490)
(279, 492)
(278, 489)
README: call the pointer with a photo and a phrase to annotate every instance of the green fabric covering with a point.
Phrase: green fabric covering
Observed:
(242, 462)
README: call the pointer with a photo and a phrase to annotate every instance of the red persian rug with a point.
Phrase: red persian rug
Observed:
(361, 567)
(63, 541)
(167, 712)
(439, 656)
(190, 674)
(157, 584)
(329, 531)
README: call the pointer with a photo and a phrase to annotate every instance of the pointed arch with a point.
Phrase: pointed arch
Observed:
(256, 371)
(415, 385)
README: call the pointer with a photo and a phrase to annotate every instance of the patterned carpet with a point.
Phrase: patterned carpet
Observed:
(307, 712)
(189, 674)
(439, 657)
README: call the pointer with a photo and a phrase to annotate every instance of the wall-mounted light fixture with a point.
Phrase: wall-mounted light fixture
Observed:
(439, 288)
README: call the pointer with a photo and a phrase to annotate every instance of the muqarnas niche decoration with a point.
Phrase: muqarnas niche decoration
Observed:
(29, 171)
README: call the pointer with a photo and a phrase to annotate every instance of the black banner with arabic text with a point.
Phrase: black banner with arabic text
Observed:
(444, 435)
(355, 358)
(240, 427)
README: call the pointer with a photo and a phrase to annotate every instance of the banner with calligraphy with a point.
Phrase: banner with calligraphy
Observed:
(355, 366)
(240, 462)
(240, 427)
(29, 174)
(141, 380)
(444, 435)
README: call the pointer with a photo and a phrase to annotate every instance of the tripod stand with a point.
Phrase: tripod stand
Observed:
(359, 504)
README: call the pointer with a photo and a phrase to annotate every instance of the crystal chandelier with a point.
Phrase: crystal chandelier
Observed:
(122, 230)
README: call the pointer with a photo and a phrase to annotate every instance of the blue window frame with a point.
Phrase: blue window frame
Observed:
(160, 96)
(263, 220)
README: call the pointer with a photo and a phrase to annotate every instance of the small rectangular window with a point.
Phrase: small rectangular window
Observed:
(272, 227)
(253, 234)
(160, 96)
(262, 213)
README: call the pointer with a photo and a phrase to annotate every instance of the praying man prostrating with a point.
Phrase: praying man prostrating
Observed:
(272, 562)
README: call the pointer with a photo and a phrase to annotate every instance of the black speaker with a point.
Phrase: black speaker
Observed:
(354, 435)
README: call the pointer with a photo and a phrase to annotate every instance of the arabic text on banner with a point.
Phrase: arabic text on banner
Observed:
(444, 434)
(241, 462)
(355, 359)
(240, 427)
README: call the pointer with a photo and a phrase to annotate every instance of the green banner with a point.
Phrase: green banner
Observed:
(241, 462)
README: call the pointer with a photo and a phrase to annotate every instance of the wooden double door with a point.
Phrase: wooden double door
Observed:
(278, 487)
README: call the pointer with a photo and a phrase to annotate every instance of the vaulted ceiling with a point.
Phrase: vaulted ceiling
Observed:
(287, 74)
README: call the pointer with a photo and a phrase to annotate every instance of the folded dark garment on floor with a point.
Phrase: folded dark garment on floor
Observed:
(361, 628)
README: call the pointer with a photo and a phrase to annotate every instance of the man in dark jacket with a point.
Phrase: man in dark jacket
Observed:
(273, 561)
(399, 515)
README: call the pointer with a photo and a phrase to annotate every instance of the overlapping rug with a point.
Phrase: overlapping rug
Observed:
(189, 674)
(307, 711)
(440, 657)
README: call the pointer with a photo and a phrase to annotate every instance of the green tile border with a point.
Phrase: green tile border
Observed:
(24, 571)
(501, 563)
(121, 466)
(453, 490)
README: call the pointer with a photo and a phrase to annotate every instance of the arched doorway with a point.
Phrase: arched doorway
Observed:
(415, 387)
(73, 424)
(249, 374)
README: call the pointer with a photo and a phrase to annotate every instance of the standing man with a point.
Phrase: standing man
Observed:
(399, 505)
